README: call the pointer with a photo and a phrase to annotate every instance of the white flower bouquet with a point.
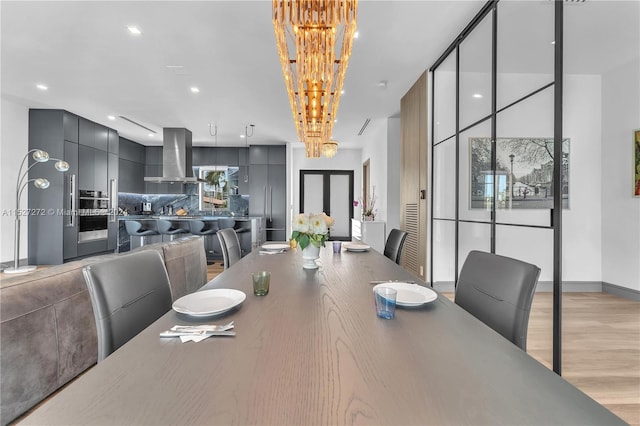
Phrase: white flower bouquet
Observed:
(311, 229)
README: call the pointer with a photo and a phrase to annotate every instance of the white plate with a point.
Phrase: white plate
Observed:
(410, 294)
(276, 246)
(209, 302)
(356, 247)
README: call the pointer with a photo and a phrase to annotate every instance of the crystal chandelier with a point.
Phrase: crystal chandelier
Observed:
(330, 148)
(321, 32)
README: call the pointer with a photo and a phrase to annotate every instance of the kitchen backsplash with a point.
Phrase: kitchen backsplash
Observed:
(132, 203)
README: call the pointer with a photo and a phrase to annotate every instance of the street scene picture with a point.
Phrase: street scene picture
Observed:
(523, 175)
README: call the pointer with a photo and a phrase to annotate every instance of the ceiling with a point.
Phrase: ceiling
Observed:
(94, 67)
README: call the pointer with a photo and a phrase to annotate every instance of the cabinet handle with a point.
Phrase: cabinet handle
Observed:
(72, 201)
(264, 205)
(270, 203)
(114, 200)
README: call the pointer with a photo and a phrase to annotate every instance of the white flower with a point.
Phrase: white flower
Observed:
(300, 223)
(328, 220)
(318, 225)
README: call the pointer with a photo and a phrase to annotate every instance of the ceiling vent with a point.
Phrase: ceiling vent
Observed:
(364, 126)
(137, 124)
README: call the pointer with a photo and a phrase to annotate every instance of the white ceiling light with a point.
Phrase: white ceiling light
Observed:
(195, 90)
(477, 95)
(111, 117)
(134, 30)
(42, 87)
(151, 135)
(356, 34)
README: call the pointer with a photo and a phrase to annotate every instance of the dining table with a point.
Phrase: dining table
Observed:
(313, 352)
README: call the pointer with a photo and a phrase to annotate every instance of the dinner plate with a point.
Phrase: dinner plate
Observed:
(410, 294)
(209, 302)
(356, 247)
(275, 246)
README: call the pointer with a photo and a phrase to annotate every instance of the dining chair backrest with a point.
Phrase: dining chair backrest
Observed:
(498, 290)
(394, 244)
(231, 251)
(128, 293)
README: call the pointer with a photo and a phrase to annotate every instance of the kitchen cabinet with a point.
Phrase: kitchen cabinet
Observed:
(131, 167)
(53, 236)
(268, 189)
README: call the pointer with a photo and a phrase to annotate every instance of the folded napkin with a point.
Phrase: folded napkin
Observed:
(197, 333)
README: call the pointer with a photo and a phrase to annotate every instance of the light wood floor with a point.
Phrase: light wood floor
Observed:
(601, 345)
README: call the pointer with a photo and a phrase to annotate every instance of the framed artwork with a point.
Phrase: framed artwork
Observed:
(636, 174)
(523, 175)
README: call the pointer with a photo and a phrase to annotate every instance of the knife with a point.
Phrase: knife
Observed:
(170, 333)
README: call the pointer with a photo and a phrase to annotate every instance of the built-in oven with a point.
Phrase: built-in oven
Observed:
(93, 215)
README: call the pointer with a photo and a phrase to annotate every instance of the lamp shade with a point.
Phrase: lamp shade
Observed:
(40, 156)
(41, 183)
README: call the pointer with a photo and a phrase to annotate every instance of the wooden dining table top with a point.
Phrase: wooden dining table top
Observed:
(313, 351)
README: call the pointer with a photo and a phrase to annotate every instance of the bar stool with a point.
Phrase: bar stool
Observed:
(206, 229)
(135, 229)
(165, 227)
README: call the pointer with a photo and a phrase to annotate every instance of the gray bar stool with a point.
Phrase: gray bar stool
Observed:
(206, 229)
(135, 229)
(166, 227)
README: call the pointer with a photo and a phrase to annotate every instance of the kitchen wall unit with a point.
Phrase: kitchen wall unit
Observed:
(268, 188)
(131, 167)
(92, 153)
(369, 232)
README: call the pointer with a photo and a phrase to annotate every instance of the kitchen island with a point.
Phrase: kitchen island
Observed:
(250, 230)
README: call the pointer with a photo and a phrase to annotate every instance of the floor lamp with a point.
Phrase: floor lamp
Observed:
(39, 156)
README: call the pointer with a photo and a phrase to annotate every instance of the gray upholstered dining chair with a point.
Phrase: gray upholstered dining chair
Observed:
(231, 251)
(128, 293)
(498, 290)
(395, 243)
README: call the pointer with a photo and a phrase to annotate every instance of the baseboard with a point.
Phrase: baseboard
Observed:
(545, 286)
(624, 292)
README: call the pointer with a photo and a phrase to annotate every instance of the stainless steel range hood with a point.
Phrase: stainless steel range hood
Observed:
(176, 158)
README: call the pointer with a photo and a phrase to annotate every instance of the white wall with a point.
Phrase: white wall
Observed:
(582, 222)
(14, 131)
(393, 173)
(620, 210)
(345, 159)
(375, 150)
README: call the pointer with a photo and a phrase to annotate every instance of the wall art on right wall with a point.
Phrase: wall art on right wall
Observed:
(636, 163)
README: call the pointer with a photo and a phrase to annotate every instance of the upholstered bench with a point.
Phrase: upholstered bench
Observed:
(47, 327)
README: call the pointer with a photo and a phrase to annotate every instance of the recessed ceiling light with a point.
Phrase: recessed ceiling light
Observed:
(151, 135)
(42, 87)
(553, 42)
(335, 121)
(195, 90)
(111, 117)
(134, 30)
(342, 92)
(242, 136)
(356, 34)
(477, 95)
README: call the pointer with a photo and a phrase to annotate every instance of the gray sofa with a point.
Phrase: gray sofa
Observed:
(47, 326)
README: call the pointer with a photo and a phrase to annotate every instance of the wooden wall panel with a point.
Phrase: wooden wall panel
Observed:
(413, 123)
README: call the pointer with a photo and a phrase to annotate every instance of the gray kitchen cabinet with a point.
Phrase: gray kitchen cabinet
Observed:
(92, 169)
(114, 142)
(268, 189)
(131, 167)
(53, 236)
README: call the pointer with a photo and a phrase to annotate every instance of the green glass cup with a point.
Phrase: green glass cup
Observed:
(261, 283)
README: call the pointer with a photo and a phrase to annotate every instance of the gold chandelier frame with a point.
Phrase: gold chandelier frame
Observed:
(315, 30)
